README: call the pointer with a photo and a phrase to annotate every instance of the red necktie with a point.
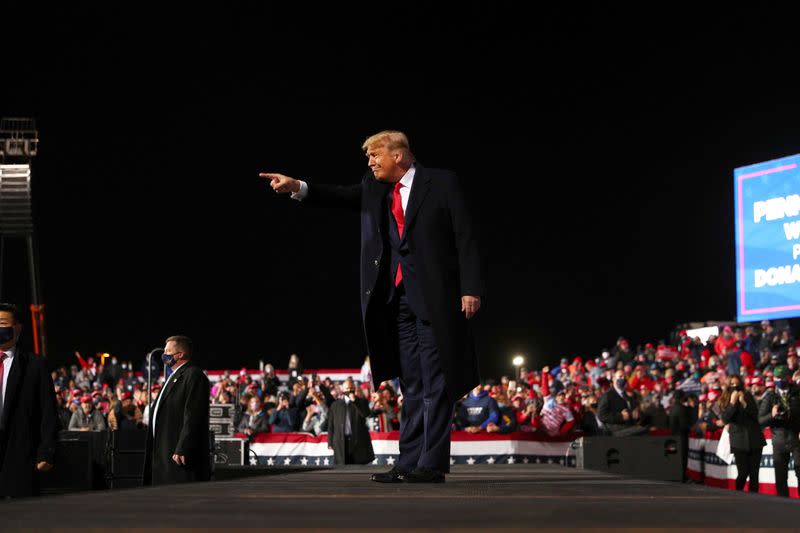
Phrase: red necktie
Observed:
(397, 211)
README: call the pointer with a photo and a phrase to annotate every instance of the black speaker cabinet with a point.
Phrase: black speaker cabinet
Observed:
(73, 468)
(126, 458)
(220, 419)
(231, 452)
(642, 456)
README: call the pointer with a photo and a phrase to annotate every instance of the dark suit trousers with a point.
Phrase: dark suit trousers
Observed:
(747, 465)
(781, 453)
(427, 410)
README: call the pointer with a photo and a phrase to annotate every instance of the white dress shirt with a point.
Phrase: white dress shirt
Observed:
(348, 425)
(7, 362)
(405, 191)
(170, 379)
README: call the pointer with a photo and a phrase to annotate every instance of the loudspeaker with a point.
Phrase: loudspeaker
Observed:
(73, 468)
(643, 457)
(231, 451)
(126, 458)
(220, 419)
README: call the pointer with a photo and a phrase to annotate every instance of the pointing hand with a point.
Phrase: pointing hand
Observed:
(281, 183)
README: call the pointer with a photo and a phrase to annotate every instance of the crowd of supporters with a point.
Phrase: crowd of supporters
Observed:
(622, 391)
(568, 397)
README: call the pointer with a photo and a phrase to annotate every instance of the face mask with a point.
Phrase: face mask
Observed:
(6, 334)
(738, 387)
(168, 359)
(593, 405)
(621, 383)
(499, 404)
(781, 384)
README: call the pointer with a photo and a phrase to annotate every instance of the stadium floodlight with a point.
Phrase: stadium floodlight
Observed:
(19, 144)
(18, 138)
(517, 361)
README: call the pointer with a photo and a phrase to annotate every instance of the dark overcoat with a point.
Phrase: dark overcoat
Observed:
(30, 419)
(441, 237)
(181, 428)
(745, 432)
(362, 444)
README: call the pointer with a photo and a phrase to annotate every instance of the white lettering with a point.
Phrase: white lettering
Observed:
(761, 278)
(759, 210)
(782, 275)
(777, 208)
(792, 230)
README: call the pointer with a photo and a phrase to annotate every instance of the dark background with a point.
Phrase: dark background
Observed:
(598, 145)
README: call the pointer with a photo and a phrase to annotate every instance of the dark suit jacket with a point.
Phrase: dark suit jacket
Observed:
(181, 428)
(439, 233)
(30, 420)
(785, 428)
(744, 430)
(259, 424)
(362, 444)
(610, 407)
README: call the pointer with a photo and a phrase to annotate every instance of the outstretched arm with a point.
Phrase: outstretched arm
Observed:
(348, 196)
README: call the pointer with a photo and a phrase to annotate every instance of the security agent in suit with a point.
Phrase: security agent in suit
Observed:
(618, 411)
(348, 436)
(178, 447)
(780, 410)
(29, 420)
(421, 281)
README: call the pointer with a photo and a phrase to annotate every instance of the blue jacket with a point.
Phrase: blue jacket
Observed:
(480, 410)
(734, 363)
(282, 421)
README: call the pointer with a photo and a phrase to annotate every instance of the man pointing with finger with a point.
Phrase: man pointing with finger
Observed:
(421, 282)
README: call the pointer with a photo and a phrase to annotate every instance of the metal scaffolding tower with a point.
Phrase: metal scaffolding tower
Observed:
(19, 143)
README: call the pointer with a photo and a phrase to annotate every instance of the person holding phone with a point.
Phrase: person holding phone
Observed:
(348, 435)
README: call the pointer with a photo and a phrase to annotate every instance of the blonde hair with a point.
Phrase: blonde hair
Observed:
(391, 139)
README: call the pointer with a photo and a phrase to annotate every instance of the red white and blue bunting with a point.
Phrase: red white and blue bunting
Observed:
(303, 449)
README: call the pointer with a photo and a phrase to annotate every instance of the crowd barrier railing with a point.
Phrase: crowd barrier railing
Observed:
(704, 466)
(304, 449)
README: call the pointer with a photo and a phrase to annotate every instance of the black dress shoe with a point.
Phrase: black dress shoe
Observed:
(392, 476)
(423, 475)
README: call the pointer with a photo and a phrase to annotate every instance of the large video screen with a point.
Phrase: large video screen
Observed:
(767, 213)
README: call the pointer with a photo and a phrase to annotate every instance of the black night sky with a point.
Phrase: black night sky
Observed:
(598, 145)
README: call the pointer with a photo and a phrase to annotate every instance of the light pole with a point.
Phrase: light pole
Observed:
(517, 362)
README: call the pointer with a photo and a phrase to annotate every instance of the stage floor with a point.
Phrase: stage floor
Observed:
(491, 497)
